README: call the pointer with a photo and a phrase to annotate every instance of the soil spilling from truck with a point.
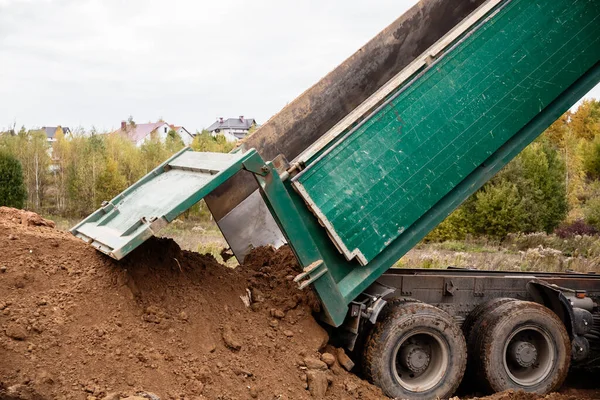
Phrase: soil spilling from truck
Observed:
(75, 324)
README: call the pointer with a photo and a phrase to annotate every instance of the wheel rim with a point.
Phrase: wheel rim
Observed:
(420, 360)
(529, 355)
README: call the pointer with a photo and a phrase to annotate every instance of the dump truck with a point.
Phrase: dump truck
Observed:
(363, 165)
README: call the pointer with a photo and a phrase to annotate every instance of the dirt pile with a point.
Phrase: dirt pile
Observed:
(162, 324)
(569, 394)
(74, 324)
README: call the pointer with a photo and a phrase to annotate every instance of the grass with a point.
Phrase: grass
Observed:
(462, 246)
(62, 223)
(531, 252)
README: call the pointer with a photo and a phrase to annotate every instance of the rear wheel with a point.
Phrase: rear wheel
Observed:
(521, 345)
(415, 351)
(470, 327)
(474, 318)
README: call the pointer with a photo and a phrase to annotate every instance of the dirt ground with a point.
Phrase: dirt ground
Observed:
(162, 324)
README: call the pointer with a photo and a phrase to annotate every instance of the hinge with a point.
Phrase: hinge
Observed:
(313, 272)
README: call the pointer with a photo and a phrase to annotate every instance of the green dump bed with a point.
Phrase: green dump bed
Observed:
(380, 181)
(435, 130)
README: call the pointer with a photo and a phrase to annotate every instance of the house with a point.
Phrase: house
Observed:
(183, 133)
(140, 133)
(233, 129)
(51, 132)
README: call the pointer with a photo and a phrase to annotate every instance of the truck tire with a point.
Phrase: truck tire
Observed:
(469, 327)
(474, 318)
(416, 351)
(521, 345)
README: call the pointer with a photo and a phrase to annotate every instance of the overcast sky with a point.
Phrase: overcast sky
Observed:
(95, 62)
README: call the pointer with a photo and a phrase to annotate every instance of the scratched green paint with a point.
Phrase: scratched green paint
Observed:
(395, 167)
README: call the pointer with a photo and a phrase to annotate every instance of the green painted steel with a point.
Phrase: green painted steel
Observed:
(352, 279)
(173, 187)
(292, 219)
(370, 188)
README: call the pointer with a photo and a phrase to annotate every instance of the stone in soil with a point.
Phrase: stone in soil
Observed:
(314, 363)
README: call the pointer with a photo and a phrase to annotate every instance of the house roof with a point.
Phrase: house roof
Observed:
(232, 123)
(51, 131)
(140, 131)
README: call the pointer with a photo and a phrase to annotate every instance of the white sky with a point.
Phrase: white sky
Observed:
(95, 62)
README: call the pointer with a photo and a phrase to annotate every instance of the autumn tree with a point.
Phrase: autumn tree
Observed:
(585, 122)
(204, 141)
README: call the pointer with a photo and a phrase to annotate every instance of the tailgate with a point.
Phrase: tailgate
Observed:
(135, 215)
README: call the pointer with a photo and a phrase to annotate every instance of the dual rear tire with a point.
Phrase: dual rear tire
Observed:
(417, 351)
(518, 345)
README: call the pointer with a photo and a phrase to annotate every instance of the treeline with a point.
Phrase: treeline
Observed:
(554, 183)
(74, 174)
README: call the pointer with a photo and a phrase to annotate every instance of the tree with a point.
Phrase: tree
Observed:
(585, 122)
(204, 141)
(173, 142)
(61, 153)
(12, 185)
(558, 130)
(591, 158)
(88, 160)
(528, 195)
(544, 185)
(497, 210)
(31, 148)
(127, 156)
(131, 122)
(110, 182)
(154, 152)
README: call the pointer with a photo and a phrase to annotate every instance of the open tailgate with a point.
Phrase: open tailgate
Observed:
(158, 198)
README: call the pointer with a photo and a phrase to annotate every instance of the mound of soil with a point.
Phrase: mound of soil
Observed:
(75, 324)
(161, 324)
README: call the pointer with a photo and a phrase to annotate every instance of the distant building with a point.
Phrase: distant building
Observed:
(183, 133)
(233, 129)
(140, 133)
(51, 132)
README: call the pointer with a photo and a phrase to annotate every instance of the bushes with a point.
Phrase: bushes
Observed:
(528, 195)
(452, 228)
(498, 209)
(591, 158)
(578, 227)
(12, 186)
(591, 212)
